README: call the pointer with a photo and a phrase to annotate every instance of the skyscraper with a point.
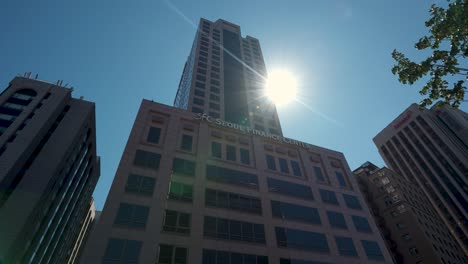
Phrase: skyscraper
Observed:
(412, 229)
(194, 188)
(224, 77)
(48, 171)
(430, 148)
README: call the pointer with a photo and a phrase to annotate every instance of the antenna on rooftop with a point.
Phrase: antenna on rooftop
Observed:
(37, 75)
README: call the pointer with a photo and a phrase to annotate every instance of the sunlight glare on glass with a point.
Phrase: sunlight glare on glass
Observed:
(281, 87)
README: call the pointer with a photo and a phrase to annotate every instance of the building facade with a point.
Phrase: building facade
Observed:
(412, 229)
(429, 147)
(224, 77)
(195, 189)
(48, 171)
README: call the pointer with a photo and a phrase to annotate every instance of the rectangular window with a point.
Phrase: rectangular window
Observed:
(372, 249)
(244, 156)
(140, 185)
(352, 201)
(305, 240)
(345, 246)
(361, 224)
(231, 153)
(200, 85)
(318, 174)
(295, 212)
(131, 215)
(198, 101)
(216, 150)
(197, 109)
(341, 179)
(176, 222)
(154, 135)
(122, 251)
(296, 168)
(234, 230)
(183, 167)
(181, 192)
(186, 143)
(199, 93)
(283, 165)
(169, 254)
(270, 162)
(214, 97)
(147, 159)
(336, 220)
(226, 257)
(228, 176)
(214, 106)
(290, 189)
(233, 201)
(328, 197)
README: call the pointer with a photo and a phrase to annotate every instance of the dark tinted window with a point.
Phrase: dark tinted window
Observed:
(244, 156)
(140, 184)
(328, 197)
(293, 238)
(318, 174)
(295, 212)
(231, 153)
(336, 220)
(341, 179)
(176, 222)
(186, 143)
(361, 224)
(352, 201)
(198, 101)
(169, 254)
(296, 168)
(131, 215)
(199, 93)
(228, 176)
(225, 257)
(154, 135)
(183, 167)
(372, 249)
(270, 162)
(122, 251)
(216, 149)
(283, 165)
(147, 159)
(233, 201)
(290, 189)
(234, 230)
(181, 192)
(345, 246)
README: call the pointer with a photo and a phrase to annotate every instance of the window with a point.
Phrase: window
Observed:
(328, 197)
(216, 150)
(297, 261)
(318, 174)
(296, 168)
(169, 254)
(197, 109)
(270, 162)
(341, 179)
(372, 249)
(244, 156)
(199, 93)
(214, 106)
(214, 97)
(176, 222)
(131, 215)
(198, 101)
(214, 114)
(336, 220)
(228, 176)
(122, 251)
(352, 201)
(147, 159)
(233, 201)
(345, 246)
(231, 153)
(283, 165)
(295, 212)
(200, 85)
(186, 143)
(154, 135)
(183, 167)
(293, 238)
(233, 230)
(181, 192)
(140, 185)
(225, 257)
(291, 189)
(361, 224)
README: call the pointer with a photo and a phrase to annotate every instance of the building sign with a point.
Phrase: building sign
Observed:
(403, 120)
(251, 131)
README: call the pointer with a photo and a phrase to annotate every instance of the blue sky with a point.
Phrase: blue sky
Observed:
(116, 52)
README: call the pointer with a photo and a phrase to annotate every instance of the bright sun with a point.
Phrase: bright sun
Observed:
(281, 87)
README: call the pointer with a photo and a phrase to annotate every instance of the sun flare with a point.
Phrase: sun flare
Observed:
(281, 87)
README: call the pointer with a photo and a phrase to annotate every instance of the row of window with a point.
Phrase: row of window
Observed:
(283, 165)
(231, 153)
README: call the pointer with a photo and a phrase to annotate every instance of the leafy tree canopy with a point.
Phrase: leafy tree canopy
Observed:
(448, 40)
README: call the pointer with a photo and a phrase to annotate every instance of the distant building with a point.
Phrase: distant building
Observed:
(429, 147)
(413, 231)
(48, 171)
(224, 77)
